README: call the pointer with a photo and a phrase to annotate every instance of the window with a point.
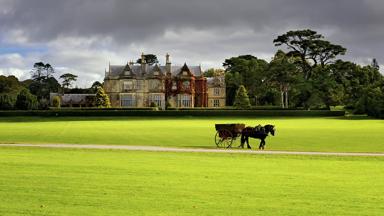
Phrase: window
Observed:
(156, 73)
(216, 103)
(127, 72)
(157, 99)
(216, 91)
(140, 84)
(128, 85)
(155, 84)
(185, 73)
(185, 101)
(128, 101)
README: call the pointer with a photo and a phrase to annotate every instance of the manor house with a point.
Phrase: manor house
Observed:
(140, 85)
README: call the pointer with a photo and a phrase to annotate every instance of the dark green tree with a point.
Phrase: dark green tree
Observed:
(26, 101)
(248, 71)
(282, 73)
(43, 83)
(149, 59)
(9, 89)
(95, 85)
(310, 48)
(41, 71)
(371, 102)
(242, 99)
(68, 78)
(210, 72)
(7, 101)
(102, 99)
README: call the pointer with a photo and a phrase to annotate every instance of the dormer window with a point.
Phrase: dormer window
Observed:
(156, 73)
(185, 73)
(127, 73)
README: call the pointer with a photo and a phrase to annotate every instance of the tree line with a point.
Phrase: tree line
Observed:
(34, 93)
(308, 75)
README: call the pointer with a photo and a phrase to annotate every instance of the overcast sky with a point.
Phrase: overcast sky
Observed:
(82, 36)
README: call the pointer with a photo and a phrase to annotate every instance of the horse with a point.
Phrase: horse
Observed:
(258, 132)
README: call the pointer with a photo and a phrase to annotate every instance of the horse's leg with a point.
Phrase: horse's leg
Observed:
(261, 144)
(242, 141)
(248, 146)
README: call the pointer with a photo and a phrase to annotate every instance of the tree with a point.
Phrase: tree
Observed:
(26, 101)
(42, 90)
(43, 83)
(67, 80)
(149, 59)
(102, 99)
(210, 72)
(245, 70)
(42, 71)
(375, 64)
(282, 72)
(7, 101)
(242, 99)
(310, 48)
(9, 89)
(95, 85)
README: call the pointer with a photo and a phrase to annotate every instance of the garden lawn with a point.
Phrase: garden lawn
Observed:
(332, 134)
(99, 182)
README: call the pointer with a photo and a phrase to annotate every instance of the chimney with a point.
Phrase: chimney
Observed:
(109, 68)
(143, 64)
(167, 63)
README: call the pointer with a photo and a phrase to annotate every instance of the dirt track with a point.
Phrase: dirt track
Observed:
(173, 149)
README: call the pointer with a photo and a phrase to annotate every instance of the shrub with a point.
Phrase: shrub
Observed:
(102, 99)
(153, 104)
(168, 105)
(56, 102)
(242, 99)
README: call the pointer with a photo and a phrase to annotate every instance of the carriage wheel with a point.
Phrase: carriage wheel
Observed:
(223, 139)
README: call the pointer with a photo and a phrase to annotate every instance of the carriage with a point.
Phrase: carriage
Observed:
(227, 133)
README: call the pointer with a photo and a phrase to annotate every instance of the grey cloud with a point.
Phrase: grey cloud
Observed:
(203, 30)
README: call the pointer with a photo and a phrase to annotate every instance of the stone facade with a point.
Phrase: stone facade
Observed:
(216, 92)
(140, 85)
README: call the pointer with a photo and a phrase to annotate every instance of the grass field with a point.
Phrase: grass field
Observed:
(343, 134)
(98, 182)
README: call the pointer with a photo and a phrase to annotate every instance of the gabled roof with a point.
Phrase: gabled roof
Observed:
(117, 70)
(156, 67)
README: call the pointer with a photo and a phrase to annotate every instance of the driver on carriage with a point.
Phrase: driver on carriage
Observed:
(259, 128)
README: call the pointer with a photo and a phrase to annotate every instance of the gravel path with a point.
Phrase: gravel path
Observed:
(173, 149)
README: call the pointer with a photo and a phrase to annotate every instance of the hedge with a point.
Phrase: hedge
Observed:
(174, 113)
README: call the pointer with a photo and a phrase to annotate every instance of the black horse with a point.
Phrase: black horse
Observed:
(258, 132)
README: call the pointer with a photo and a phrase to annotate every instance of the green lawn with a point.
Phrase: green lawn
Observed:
(98, 182)
(349, 134)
